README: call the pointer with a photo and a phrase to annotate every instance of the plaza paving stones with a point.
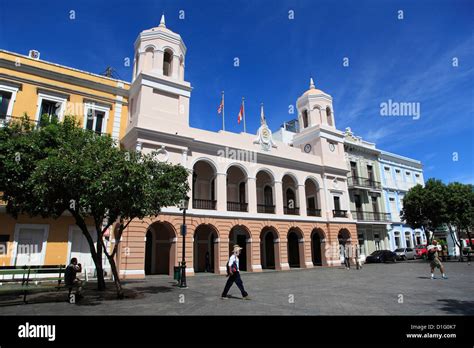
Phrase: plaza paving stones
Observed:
(374, 290)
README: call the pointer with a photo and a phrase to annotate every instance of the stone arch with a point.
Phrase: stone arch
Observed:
(168, 61)
(265, 186)
(205, 248)
(295, 247)
(344, 239)
(312, 196)
(239, 165)
(241, 235)
(318, 241)
(237, 188)
(270, 257)
(160, 248)
(291, 197)
(204, 184)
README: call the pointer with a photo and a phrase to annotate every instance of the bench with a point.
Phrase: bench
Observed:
(30, 279)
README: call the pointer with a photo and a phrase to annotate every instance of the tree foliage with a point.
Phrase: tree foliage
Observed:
(436, 205)
(60, 167)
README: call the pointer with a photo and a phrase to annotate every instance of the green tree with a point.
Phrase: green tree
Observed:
(426, 207)
(60, 167)
(459, 201)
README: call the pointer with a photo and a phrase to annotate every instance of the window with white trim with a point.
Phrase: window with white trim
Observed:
(95, 118)
(29, 244)
(50, 105)
(7, 99)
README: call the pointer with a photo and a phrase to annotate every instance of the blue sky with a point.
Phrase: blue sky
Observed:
(407, 60)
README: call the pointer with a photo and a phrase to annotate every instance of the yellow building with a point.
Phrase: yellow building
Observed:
(36, 87)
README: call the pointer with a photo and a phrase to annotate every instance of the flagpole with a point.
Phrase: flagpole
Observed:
(243, 106)
(223, 112)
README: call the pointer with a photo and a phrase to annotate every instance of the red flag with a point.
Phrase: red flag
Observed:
(241, 114)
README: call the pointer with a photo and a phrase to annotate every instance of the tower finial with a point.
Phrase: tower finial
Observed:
(162, 21)
(311, 83)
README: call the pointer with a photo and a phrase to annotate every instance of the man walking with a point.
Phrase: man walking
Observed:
(233, 272)
(434, 259)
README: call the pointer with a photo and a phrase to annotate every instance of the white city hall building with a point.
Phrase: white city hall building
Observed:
(286, 205)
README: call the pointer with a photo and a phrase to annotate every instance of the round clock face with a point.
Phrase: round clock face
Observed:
(307, 148)
(332, 147)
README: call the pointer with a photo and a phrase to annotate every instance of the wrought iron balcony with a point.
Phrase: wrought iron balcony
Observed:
(371, 216)
(313, 212)
(267, 209)
(291, 211)
(236, 206)
(339, 213)
(207, 204)
(359, 181)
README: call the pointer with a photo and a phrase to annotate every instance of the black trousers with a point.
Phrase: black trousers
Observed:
(234, 278)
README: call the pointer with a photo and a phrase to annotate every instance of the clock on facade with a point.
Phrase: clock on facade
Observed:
(332, 147)
(307, 148)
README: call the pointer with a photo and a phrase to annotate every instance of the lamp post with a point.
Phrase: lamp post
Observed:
(183, 206)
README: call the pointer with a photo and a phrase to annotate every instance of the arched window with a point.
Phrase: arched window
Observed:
(149, 58)
(329, 115)
(290, 198)
(242, 192)
(167, 63)
(268, 195)
(305, 118)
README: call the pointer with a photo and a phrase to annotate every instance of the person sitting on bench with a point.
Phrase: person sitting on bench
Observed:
(70, 277)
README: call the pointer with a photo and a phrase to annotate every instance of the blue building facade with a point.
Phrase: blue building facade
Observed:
(399, 174)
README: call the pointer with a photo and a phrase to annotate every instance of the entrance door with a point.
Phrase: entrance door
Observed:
(148, 252)
(30, 246)
(293, 250)
(317, 260)
(242, 242)
(269, 251)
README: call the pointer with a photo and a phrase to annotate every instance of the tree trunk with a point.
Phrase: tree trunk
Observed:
(456, 241)
(118, 285)
(98, 266)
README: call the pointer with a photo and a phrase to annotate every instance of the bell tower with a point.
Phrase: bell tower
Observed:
(318, 134)
(159, 95)
(315, 108)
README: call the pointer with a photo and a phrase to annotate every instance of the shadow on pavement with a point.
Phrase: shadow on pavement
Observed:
(91, 297)
(457, 307)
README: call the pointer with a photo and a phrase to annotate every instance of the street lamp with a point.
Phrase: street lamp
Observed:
(183, 206)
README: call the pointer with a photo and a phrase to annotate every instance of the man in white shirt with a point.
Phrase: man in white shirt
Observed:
(434, 259)
(234, 275)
